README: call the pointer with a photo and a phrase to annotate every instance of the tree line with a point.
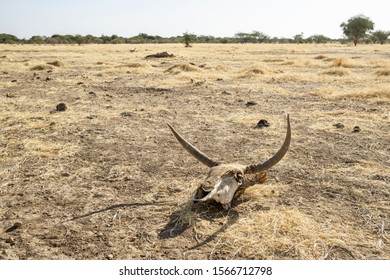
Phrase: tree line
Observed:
(357, 29)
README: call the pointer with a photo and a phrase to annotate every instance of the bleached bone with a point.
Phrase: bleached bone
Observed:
(225, 181)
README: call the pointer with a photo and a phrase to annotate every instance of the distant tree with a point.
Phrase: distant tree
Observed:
(380, 36)
(243, 37)
(8, 39)
(79, 39)
(259, 37)
(318, 39)
(254, 37)
(188, 39)
(37, 39)
(298, 38)
(357, 27)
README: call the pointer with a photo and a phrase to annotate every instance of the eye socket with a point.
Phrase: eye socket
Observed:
(238, 177)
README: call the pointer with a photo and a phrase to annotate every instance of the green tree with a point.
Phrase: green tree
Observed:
(318, 39)
(243, 37)
(259, 37)
(37, 39)
(380, 36)
(357, 27)
(188, 39)
(298, 38)
(79, 39)
(8, 39)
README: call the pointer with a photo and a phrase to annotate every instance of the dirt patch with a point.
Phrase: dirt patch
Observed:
(106, 179)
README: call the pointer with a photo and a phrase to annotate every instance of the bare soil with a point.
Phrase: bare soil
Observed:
(106, 179)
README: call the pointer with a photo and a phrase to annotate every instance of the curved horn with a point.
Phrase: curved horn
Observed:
(194, 151)
(254, 168)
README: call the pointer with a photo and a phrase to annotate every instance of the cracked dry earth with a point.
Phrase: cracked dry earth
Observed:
(106, 179)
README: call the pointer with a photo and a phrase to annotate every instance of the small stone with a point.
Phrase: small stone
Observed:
(356, 129)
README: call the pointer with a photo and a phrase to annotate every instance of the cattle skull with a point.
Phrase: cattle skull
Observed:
(225, 181)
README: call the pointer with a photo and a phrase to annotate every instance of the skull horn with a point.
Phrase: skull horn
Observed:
(194, 151)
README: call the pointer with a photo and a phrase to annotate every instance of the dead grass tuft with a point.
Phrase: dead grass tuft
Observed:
(337, 72)
(41, 67)
(56, 63)
(132, 65)
(254, 71)
(273, 60)
(383, 72)
(285, 234)
(179, 68)
(320, 57)
(341, 62)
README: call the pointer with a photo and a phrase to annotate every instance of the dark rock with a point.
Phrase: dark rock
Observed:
(262, 123)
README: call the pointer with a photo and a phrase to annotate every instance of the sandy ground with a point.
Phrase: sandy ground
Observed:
(106, 179)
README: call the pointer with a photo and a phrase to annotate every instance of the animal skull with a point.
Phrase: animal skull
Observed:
(226, 181)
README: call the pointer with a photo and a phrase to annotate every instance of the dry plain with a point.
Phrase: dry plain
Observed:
(106, 179)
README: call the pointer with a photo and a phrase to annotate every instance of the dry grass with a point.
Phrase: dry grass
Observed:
(337, 72)
(41, 67)
(383, 72)
(179, 68)
(341, 62)
(106, 179)
(56, 63)
(321, 56)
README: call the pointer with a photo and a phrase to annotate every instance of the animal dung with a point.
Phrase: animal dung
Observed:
(18, 225)
(262, 123)
(356, 129)
(61, 107)
(250, 103)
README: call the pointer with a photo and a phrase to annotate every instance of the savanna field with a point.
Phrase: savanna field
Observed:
(106, 179)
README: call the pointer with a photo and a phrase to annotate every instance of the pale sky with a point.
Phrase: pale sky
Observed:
(127, 18)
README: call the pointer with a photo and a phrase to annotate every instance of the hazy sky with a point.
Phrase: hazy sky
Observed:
(280, 18)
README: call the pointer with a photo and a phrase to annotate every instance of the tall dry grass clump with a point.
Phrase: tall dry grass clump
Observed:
(337, 72)
(56, 63)
(341, 62)
(383, 72)
(179, 68)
